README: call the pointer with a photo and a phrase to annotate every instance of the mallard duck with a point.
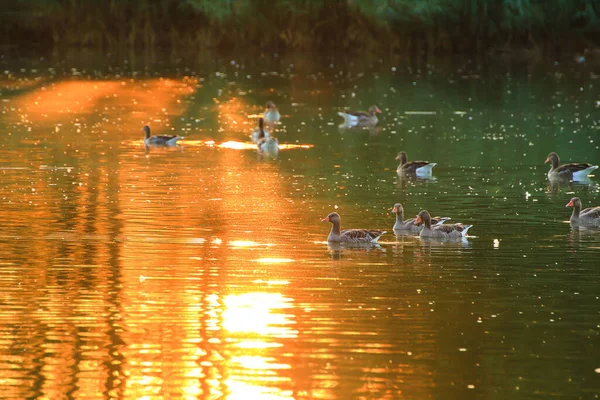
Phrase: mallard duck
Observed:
(418, 168)
(410, 224)
(360, 118)
(349, 235)
(571, 171)
(159, 140)
(256, 134)
(588, 217)
(271, 114)
(440, 231)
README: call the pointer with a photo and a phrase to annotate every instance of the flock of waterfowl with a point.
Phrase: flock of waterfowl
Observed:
(423, 224)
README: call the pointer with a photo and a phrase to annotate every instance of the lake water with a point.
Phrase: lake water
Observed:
(202, 271)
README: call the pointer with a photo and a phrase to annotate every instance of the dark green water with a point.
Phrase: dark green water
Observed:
(201, 271)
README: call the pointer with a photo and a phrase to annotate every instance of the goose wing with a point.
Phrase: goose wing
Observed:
(591, 213)
(361, 235)
(412, 166)
(568, 169)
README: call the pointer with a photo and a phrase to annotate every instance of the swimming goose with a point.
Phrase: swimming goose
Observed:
(271, 114)
(571, 171)
(159, 140)
(360, 118)
(349, 235)
(410, 224)
(256, 134)
(588, 217)
(440, 231)
(266, 145)
(419, 168)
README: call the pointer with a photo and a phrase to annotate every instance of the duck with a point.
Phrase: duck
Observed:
(409, 224)
(418, 168)
(360, 119)
(271, 114)
(256, 134)
(588, 217)
(440, 231)
(266, 145)
(571, 171)
(159, 140)
(355, 236)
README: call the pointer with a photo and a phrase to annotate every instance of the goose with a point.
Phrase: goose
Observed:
(360, 118)
(271, 114)
(409, 224)
(349, 235)
(266, 145)
(159, 140)
(571, 171)
(440, 231)
(588, 217)
(256, 134)
(418, 168)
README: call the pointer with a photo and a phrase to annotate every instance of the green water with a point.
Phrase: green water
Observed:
(202, 271)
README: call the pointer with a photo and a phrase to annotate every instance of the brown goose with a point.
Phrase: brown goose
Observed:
(410, 224)
(419, 168)
(440, 231)
(572, 171)
(349, 235)
(271, 115)
(360, 118)
(588, 217)
(159, 140)
(260, 131)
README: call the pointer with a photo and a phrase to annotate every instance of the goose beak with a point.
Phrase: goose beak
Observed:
(570, 204)
(326, 219)
(397, 158)
(378, 111)
(418, 220)
(395, 209)
(547, 160)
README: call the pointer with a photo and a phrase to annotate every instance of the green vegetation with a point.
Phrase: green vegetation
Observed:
(435, 26)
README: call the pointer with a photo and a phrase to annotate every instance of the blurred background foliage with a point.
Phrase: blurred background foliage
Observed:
(434, 26)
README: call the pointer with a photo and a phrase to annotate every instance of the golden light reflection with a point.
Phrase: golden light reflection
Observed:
(257, 344)
(273, 260)
(62, 104)
(248, 243)
(255, 313)
(248, 391)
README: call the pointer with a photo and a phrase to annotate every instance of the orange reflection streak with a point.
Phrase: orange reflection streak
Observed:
(232, 116)
(253, 375)
(140, 101)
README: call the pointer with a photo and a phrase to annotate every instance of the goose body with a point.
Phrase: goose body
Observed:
(266, 145)
(271, 115)
(360, 119)
(440, 231)
(410, 225)
(256, 134)
(570, 171)
(349, 235)
(587, 217)
(418, 168)
(159, 140)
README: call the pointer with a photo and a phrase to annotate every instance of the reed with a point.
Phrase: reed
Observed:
(436, 26)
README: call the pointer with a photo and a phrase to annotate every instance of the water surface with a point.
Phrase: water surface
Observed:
(202, 271)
